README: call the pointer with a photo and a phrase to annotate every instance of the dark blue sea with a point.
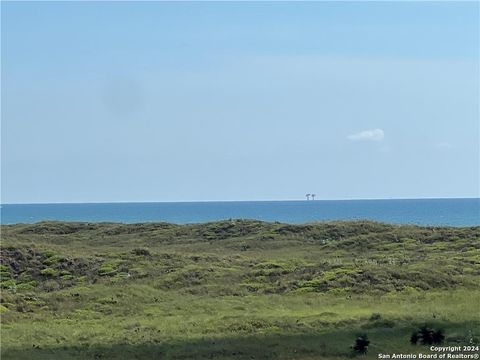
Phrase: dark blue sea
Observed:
(454, 212)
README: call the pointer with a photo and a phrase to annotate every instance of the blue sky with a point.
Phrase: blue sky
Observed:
(160, 101)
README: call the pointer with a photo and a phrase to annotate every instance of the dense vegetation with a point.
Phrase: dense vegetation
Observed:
(236, 289)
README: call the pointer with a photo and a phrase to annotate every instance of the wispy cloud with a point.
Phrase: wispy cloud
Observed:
(368, 135)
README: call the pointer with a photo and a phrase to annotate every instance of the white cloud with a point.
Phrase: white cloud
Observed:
(368, 135)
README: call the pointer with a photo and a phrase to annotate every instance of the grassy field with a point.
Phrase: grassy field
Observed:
(235, 289)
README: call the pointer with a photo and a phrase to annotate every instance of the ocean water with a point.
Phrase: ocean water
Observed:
(454, 212)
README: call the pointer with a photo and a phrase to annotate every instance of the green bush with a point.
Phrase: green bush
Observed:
(5, 271)
(48, 253)
(106, 270)
(4, 267)
(55, 259)
(9, 284)
(49, 272)
(27, 286)
(50, 285)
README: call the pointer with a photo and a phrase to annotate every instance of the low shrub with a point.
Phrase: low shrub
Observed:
(361, 344)
(9, 284)
(49, 272)
(141, 252)
(427, 336)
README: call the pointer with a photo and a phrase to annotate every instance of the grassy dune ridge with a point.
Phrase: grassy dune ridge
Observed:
(237, 289)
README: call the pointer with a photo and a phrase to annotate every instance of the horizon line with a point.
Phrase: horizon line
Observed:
(226, 201)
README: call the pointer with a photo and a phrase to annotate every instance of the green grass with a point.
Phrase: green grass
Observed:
(233, 289)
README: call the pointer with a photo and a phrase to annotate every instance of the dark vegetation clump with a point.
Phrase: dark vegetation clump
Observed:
(427, 336)
(414, 338)
(141, 252)
(361, 344)
(29, 267)
(58, 228)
